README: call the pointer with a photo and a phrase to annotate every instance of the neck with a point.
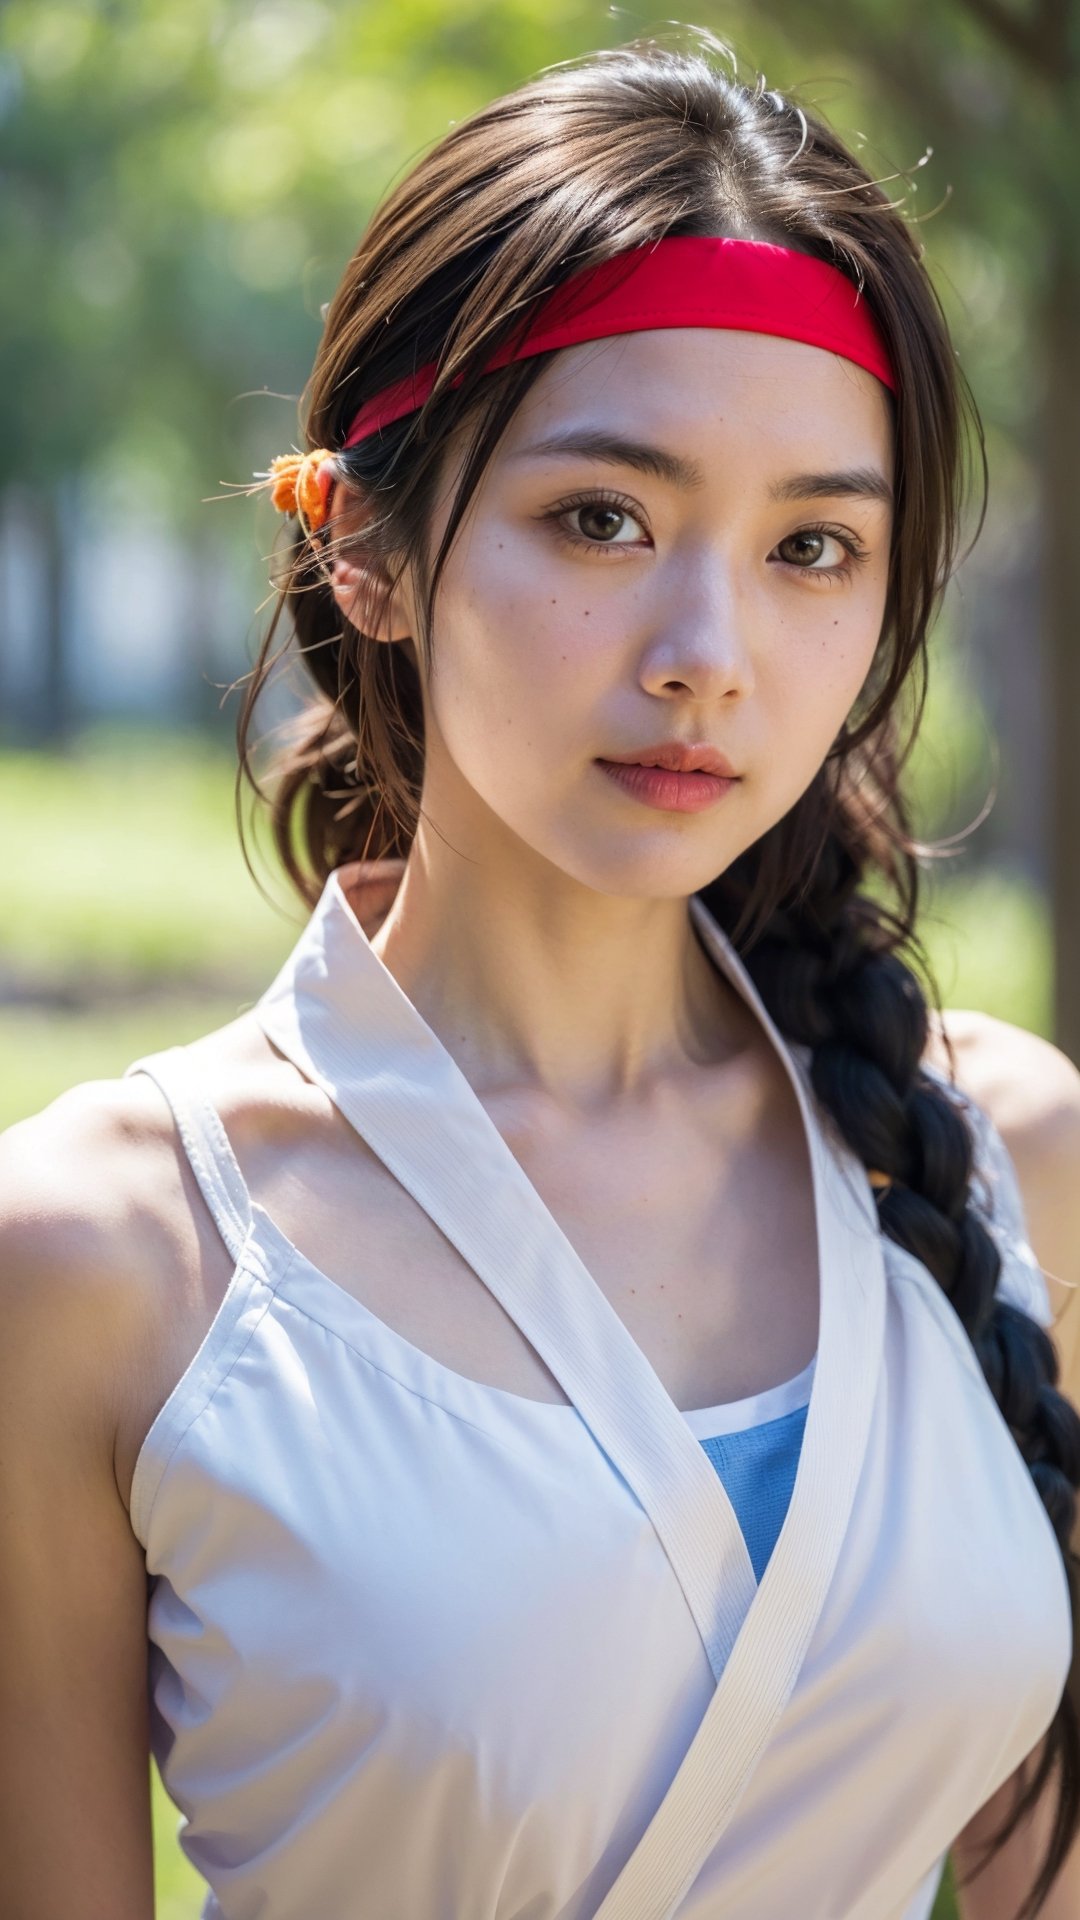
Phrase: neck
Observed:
(529, 977)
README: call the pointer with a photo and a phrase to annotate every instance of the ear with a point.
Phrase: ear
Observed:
(359, 586)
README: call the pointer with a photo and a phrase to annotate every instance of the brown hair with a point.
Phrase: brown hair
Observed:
(592, 158)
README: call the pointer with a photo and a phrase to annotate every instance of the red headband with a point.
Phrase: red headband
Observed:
(683, 281)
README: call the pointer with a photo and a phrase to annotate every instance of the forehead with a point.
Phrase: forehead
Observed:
(697, 389)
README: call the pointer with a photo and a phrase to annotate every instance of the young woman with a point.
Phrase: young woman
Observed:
(566, 1367)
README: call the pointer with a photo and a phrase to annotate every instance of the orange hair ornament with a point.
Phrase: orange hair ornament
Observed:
(300, 483)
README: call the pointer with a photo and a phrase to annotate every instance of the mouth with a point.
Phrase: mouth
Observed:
(672, 789)
(672, 756)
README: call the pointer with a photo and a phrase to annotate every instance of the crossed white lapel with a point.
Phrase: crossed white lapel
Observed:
(337, 1012)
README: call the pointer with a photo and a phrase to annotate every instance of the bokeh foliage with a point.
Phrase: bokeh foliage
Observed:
(181, 188)
(184, 184)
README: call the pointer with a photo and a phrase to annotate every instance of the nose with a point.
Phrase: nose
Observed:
(699, 641)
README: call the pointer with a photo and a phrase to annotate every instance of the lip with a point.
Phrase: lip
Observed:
(675, 757)
(669, 789)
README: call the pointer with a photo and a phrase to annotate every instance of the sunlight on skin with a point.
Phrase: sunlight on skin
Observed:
(588, 609)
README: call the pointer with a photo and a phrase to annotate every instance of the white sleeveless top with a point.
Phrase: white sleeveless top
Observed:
(422, 1647)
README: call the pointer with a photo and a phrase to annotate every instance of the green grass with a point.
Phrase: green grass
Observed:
(122, 861)
(178, 1889)
(122, 872)
(945, 1904)
(989, 941)
(124, 887)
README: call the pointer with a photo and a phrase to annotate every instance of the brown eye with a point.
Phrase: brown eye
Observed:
(598, 522)
(593, 522)
(807, 547)
(809, 543)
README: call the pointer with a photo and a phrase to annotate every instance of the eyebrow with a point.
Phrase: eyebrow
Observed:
(864, 483)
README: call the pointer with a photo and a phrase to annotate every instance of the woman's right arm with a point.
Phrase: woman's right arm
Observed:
(75, 1831)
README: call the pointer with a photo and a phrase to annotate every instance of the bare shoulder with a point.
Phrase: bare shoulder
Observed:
(109, 1262)
(1031, 1091)
(70, 1180)
(1029, 1087)
(81, 1236)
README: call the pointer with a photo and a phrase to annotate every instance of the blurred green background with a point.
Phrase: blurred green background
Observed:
(182, 187)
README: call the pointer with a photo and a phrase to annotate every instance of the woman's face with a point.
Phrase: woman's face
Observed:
(719, 579)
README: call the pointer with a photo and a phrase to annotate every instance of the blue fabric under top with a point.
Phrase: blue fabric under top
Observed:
(758, 1467)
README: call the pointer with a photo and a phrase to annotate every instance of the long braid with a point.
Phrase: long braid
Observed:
(626, 146)
(826, 966)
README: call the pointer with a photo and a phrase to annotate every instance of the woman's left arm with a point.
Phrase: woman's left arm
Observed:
(1031, 1091)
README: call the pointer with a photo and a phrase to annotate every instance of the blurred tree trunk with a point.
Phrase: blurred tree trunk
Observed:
(37, 702)
(43, 713)
(1044, 44)
(55, 706)
(1061, 450)
(202, 697)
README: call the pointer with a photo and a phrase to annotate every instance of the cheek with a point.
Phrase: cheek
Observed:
(825, 651)
(834, 664)
(520, 656)
(809, 680)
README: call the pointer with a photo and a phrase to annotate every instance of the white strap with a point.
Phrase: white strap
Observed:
(205, 1141)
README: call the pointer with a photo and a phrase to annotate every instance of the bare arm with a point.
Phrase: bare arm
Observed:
(75, 1833)
(1032, 1093)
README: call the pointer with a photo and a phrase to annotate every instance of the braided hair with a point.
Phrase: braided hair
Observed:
(594, 157)
(825, 961)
